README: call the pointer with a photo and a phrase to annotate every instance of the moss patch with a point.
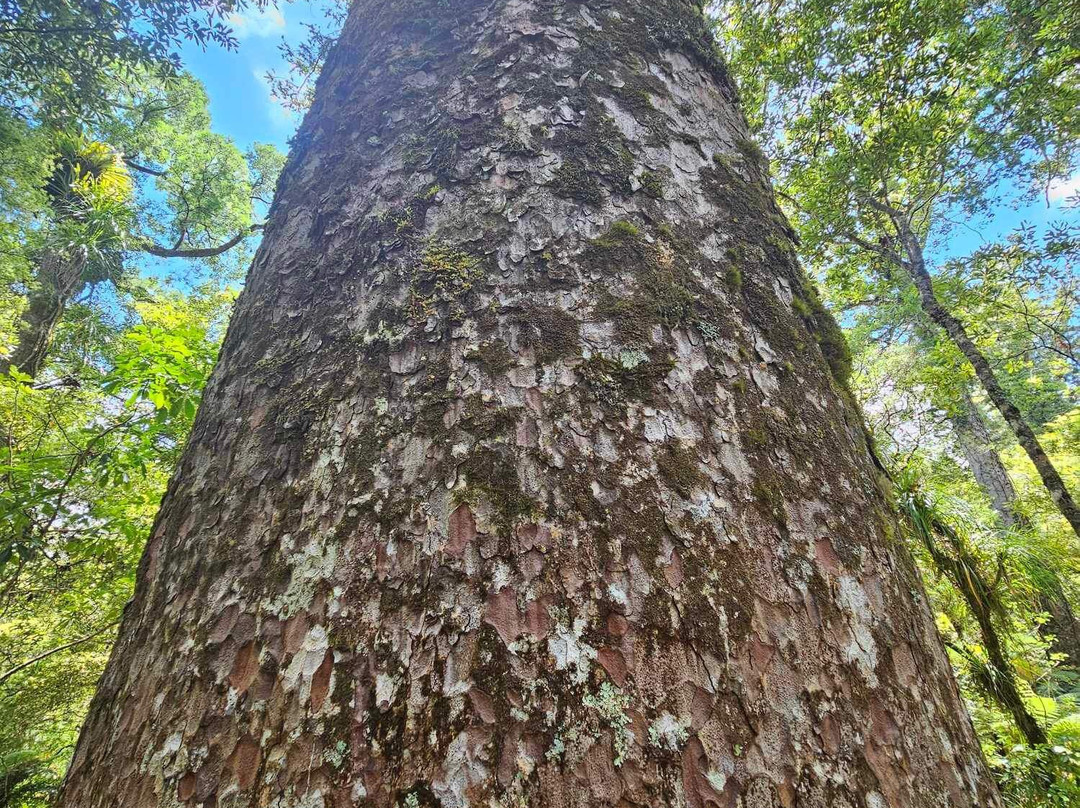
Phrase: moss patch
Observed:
(769, 495)
(678, 467)
(441, 280)
(487, 421)
(733, 277)
(551, 332)
(494, 357)
(593, 152)
(819, 321)
(573, 181)
(433, 395)
(652, 185)
(490, 475)
(665, 290)
(435, 151)
(613, 383)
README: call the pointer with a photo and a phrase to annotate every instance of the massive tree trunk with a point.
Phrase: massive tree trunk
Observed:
(525, 477)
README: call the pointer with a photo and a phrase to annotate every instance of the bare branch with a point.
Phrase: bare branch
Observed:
(198, 252)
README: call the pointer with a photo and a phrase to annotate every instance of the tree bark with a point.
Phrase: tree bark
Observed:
(524, 477)
(59, 280)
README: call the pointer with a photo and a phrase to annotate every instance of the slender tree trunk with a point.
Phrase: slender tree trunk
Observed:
(1025, 435)
(522, 479)
(976, 443)
(1000, 680)
(59, 280)
(977, 446)
(997, 677)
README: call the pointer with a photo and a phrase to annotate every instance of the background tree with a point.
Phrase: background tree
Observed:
(888, 122)
(87, 193)
(196, 192)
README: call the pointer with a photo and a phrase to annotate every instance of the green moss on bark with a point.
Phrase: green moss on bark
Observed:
(678, 467)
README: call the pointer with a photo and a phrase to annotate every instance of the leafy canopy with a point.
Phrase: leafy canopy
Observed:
(924, 105)
(63, 57)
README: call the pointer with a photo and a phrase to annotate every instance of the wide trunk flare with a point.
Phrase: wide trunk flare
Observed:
(527, 476)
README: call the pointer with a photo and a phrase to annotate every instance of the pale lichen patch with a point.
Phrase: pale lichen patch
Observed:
(308, 659)
(668, 733)
(861, 649)
(569, 651)
(612, 703)
(313, 565)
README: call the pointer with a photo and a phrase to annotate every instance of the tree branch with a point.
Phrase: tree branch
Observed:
(198, 252)
(884, 252)
(46, 654)
(153, 172)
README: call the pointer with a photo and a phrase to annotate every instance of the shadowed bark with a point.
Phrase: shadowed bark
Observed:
(527, 475)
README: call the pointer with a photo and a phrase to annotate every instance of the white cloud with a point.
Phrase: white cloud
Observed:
(256, 22)
(280, 117)
(1060, 190)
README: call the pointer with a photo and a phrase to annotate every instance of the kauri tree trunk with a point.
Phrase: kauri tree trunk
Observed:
(525, 477)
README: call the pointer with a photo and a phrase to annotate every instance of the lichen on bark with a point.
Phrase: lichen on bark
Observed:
(523, 478)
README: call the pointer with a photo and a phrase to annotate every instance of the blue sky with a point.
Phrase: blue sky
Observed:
(240, 101)
(242, 108)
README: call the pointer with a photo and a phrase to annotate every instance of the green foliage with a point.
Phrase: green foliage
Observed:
(443, 276)
(1039, 777)
(1007, 571)
(106, 152)
(197, 189)
(179, 190)
(884, 121)
(63, 57)
(888, 125)
(83, 473)
(89, 195)
(917, 103)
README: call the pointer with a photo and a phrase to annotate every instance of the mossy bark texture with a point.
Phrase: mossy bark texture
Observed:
(527, 476)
